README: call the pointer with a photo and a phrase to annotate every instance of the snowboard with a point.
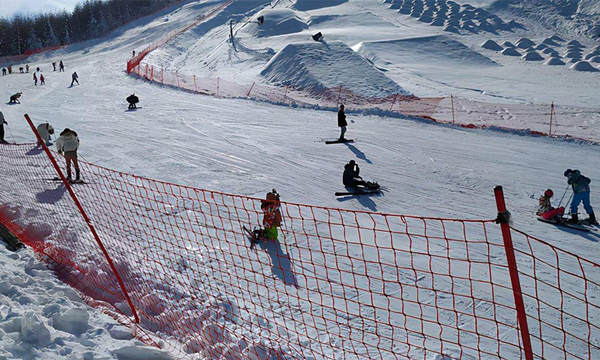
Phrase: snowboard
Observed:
(358, 192)
(579, 226)
(339, 141)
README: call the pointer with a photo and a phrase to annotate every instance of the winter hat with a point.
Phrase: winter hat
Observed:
(548, 193)
(567, 172)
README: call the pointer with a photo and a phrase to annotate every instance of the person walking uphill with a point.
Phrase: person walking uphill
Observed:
(342, 122)
(67, 144)
(581, 193)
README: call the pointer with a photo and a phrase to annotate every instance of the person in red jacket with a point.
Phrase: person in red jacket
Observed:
(271, 215)
(545, 209)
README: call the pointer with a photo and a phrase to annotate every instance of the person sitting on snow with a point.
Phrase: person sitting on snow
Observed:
(45, 130)
(545, 209)
(351, 175)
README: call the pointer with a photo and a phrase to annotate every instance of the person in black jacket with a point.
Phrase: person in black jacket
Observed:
(342, 122)
(132, 100)
(351, 175)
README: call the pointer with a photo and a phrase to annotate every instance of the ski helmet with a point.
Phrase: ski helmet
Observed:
(549, 193)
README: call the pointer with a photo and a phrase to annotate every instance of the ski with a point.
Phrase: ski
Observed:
(362, 192)
(73, 182)
(339, 141)
(565, 224)
(252, 237)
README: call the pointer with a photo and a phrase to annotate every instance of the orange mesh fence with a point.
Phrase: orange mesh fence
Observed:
(337, 284)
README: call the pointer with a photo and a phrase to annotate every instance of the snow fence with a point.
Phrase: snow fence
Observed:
(175, 263)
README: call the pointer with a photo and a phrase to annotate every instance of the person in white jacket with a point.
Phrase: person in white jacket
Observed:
(45, 130)
(2, 122)
(67, 144)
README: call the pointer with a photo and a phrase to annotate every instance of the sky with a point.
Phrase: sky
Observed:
(8, 8)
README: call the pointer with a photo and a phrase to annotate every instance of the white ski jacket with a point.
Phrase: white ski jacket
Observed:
(68, 142)
(44, 131)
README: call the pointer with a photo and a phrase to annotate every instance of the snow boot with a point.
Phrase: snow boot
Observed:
(573, 220)
(593, 220)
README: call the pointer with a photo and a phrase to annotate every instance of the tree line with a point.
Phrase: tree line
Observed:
(89, 19)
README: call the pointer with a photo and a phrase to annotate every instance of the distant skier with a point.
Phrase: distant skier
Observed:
(21, 70)
(2, 122)
(45, 130)
(342, 122)
(67, 144)
(132, 100)
(581, 193)
(61, 66)
(3, 71)
(545, 209)
(271, 215)
(74, 78)
(42, 79)
(54, 65)
(27, 68)
(35, 79)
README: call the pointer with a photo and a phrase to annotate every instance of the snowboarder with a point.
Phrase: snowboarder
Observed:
(42, 79)
(3, 71)
(2, 122)
(133, 53)
(35, 78)
(14, 98)
(581, 192)
(132, 100)
(545, 209)
(61, 66)
(54, 65)
(271, 215)
(67, 144)
(74, 78)
(351, 177)
(45, 130)
(342, 122)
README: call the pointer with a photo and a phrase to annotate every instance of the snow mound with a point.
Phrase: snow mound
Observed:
(437, 49)
(318, 66)
(305, 5)
(592, 54)
(541, 46)
(491, 45)
(583, 66)
(525, 43)
(550, 50)
(74, 321)
(575, 43)
(532, 56)
(550, 42)
(508, 44)
(140, 353)
(277, 22)
(554, 61)
(510, 52)
(557, 38)
(595, 59)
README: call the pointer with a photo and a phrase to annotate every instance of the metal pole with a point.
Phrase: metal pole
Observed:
(452, 102)
(85, 217)
(551, 115)
(503, 219)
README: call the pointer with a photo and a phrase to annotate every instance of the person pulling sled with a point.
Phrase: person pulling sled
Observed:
(581, 193)
(132, 100)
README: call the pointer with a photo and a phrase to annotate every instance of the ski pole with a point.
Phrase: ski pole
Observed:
(565, 193)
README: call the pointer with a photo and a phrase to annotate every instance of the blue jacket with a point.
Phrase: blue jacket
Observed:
(579, 182)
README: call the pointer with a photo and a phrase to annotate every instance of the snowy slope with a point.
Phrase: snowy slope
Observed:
(244, 147)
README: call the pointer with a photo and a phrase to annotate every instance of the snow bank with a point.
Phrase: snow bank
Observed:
(583, 66)
(554, 61)
(510, 52)
(305, 5)
(532, 56)
(318, 66)
(277, 22)
(525, 43)
(438, 49)
(491, 45)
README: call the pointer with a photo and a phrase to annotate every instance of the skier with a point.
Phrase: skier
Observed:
(54, 65)
(581, 192)
(545, 209)
(74, 78)
(61, 66)
(3, 71)
(35, 78)
(351, 177)
(342, 122)
(2, 122)
(132, 100)
(67, 144)
(14, 98)
(21, 70)
(271, 215)
(42, 79)
(45, 130)
(27, 68)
